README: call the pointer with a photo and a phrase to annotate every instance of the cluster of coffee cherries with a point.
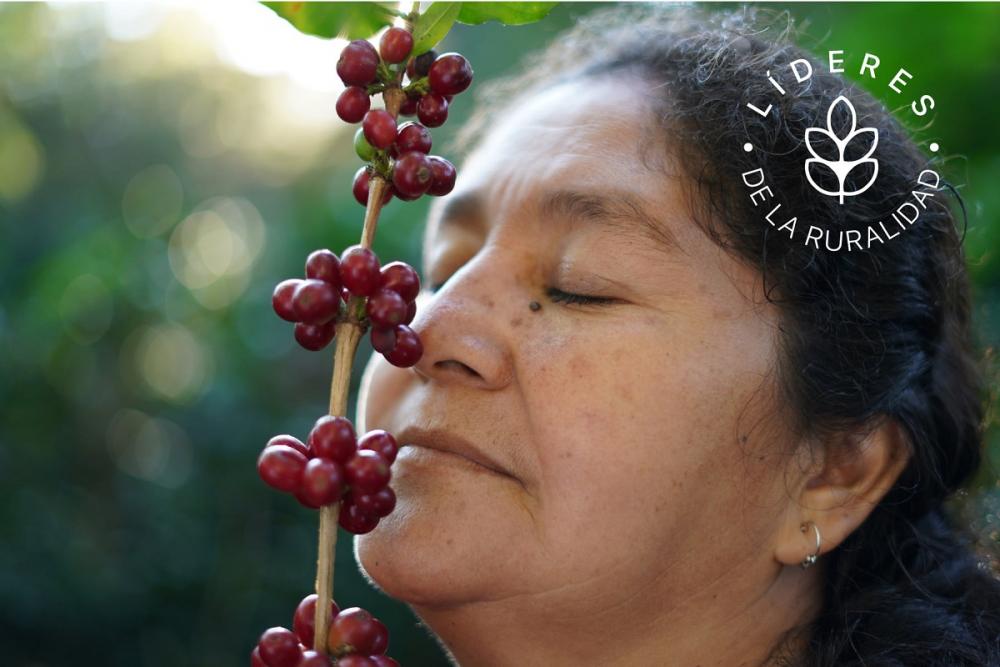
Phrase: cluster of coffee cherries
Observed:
(334, 465)
(355, 639)
(315, 304)
(400, 154)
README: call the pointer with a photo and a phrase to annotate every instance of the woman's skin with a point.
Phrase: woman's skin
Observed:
(652, 513)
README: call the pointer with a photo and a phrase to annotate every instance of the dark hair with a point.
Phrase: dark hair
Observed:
(866, 334)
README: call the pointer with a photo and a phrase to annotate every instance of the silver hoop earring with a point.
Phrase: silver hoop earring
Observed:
(811, 558)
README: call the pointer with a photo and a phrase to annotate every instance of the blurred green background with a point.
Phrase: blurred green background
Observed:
(162, 167)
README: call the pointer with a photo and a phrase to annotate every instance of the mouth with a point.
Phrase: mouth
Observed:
(453, 446)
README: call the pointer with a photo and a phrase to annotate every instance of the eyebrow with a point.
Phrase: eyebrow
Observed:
(617, 210)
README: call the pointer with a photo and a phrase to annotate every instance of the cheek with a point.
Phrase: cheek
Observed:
(633, 423)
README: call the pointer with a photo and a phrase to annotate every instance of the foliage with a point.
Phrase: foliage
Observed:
(360, 20)
(351, 20)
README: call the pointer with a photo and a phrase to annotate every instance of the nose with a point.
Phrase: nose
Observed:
(460, 327)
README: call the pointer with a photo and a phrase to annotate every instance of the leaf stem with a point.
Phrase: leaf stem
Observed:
(348, 336)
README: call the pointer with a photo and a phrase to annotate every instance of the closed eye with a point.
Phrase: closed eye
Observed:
(559, 296)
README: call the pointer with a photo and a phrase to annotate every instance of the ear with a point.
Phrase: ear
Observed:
(838, 494)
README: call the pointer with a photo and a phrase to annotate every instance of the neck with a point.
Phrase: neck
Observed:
(727, 623)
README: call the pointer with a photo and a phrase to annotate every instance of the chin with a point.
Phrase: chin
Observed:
(409, 558)
(435, 549)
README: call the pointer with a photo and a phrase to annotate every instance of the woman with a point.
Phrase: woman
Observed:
(648, 428)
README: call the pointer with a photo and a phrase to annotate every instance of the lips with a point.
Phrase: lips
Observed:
(444, 441)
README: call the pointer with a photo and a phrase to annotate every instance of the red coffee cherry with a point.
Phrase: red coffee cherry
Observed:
(403, 197)
(412, 136)
(314, 337)
(380, 504)
(443, 176)
(281, 467)
(255, 659)
(293, 442)
(279, 647)
(361, 185)
(281, 299)
(395, 45)
(356, 660)
(409, 106)
(367, 471)
(385, 308)
(380, 128)
(432, 109)
(383, 661)
(355, 520)
(402, 279)
(304, 621)
(359, 270)
(353, 104)
(450, 74)
(315, 301)
(311, 658)
(380, 441)
(333, 438)
(407, 350)
(383, 340)
(381, 642)
(324, 265)
(353, 631)
(358, 63)
(322, 483)
(411, 312)
(420, 65)
(411, 174)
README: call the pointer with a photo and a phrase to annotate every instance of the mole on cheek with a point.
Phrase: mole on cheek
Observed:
(516, 322)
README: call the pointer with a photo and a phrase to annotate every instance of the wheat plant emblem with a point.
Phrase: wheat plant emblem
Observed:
(841, 166)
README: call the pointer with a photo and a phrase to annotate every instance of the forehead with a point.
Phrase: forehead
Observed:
(586, 135)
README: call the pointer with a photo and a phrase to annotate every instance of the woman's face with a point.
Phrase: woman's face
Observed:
(633, 431)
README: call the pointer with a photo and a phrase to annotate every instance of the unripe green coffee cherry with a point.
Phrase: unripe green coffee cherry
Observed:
(364, 149)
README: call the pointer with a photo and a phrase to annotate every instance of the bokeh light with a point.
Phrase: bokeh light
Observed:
(212, 251)
(169, 361)
(150, 448)
(21, 158)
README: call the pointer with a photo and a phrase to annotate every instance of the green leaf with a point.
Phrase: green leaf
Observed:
(351, 20)
(508, 13)
(364, 19)
(434, 24)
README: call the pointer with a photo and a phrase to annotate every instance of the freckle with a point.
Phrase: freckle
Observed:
(516, 322)
(743, 438)
(490, 303)
(448, 542)
(567, 455)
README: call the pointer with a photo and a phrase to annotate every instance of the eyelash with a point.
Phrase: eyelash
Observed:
(559, 296)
